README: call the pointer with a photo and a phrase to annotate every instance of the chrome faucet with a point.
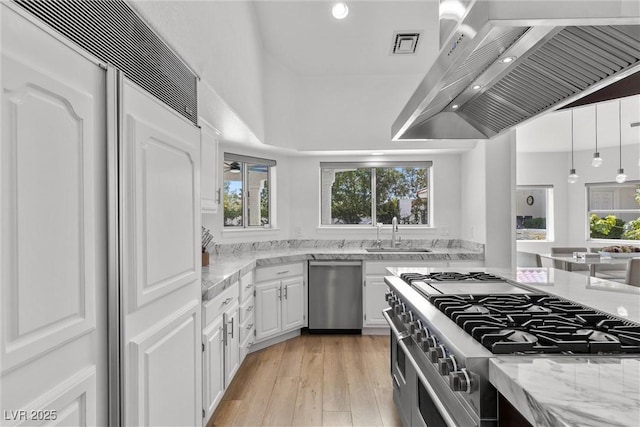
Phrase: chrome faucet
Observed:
(394, 230)
(378, 243)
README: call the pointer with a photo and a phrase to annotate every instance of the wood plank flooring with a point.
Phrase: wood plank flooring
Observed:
(313, 380)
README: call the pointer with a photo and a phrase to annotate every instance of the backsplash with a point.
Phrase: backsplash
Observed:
(234, 248)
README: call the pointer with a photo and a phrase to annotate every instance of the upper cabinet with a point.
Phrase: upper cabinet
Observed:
(210, 193)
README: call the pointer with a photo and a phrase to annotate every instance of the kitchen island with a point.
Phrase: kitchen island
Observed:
(570, 390)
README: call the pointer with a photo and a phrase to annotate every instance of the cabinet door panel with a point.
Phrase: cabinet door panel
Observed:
(374, 301)
(213, 366)
(232, 347)
(292, 303)
(268, 316)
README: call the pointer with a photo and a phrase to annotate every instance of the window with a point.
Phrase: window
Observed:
(614, 210)
(247, 182)
(370, 193)
(534, 212)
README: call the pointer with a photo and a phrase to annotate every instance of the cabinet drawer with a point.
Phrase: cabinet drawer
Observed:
(279, 271)
(247, 285)
(247, 309)
(218, 305)
(246, 330)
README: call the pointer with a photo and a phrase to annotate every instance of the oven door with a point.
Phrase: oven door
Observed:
(421, 395)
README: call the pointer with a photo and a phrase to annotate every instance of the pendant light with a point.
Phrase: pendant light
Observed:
(573, 176)
(621, 177)
(597, 160)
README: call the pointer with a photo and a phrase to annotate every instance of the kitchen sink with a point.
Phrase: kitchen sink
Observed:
(411, 250)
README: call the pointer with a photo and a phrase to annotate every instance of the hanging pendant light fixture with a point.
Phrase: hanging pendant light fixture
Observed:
(597, 160)
(621, 177)
(573, 176)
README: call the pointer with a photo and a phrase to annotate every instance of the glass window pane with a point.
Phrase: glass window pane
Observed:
(403, 193)
(257, 194)
(232, 197)
(614, 211)
(346, 196)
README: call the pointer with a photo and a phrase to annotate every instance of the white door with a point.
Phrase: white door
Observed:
(374, 301)
(268, 311)
(232, 344)
(53, 231)
(213, 373)
(292, 303)
(161, 295)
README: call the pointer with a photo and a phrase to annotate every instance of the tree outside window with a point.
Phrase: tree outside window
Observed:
(366, 194)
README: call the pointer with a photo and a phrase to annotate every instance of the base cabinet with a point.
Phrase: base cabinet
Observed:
(213, 366)
(280, 300)
(374, 301)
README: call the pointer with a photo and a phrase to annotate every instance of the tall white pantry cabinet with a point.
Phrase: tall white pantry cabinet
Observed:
(99, 242)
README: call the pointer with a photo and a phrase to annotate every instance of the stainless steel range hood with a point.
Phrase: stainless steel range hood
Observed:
(563, 50)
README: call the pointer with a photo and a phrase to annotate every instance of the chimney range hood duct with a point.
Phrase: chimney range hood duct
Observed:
(563, 50)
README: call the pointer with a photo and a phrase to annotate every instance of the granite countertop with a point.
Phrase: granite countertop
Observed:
(571, 391)
(230, 264)
(565, 390)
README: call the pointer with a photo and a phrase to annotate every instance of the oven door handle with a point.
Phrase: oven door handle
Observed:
(401, 335)
(434, 397)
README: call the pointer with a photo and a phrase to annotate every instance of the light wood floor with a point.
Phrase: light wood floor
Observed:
(313, 380)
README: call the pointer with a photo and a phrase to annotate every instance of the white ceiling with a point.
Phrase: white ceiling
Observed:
(304, 36)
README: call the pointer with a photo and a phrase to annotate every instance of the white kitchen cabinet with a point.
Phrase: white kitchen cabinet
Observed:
(279, 300)
(374, 302)
(232, 343)
(292, 303)
(221, 346)
(213, 366)
(209, 191)
(375, 288)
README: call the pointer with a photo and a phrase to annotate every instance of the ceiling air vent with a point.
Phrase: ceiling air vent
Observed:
(405, 42)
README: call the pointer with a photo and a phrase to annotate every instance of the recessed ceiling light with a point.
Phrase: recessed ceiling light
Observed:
(340, 10)
(455, 106)
(507, 59)
(476, 87)
(377, 153)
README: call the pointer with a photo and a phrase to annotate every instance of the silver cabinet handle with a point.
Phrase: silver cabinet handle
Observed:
(227, 301)
(285, 291)
(249, 326)
(282, 272)
(249, 308)
(223, 332)
(280, 294)
(250, 285)
(231, 327)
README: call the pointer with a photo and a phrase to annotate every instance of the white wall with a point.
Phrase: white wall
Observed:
(473, 222)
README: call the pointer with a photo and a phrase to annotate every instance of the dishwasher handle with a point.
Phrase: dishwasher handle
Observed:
(334, 263)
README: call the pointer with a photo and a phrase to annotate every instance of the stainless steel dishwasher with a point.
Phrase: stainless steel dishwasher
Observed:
(335, 296)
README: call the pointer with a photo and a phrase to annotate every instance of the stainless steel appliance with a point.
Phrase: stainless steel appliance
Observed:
(443, 335)
(335, 296)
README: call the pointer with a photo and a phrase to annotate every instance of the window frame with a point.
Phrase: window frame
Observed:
(588, 210)
(425, 164)
(549, 220)
(245, 161)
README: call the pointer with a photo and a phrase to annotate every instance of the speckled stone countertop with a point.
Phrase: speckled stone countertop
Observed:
(565, 390)
(230, 262)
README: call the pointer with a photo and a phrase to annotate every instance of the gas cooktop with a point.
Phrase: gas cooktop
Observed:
(451, 276)
(459, 283)
(538, 323)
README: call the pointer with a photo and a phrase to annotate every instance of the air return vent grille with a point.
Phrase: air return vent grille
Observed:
(115, 34)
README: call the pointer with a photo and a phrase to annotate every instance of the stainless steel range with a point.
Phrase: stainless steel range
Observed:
(446, 326)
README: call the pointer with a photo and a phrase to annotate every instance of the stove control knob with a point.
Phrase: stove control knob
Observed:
(461, 380)
(388, 296)
(428, 342)
(420, 333)
(405, 315)
(436, 353)
(447, 365)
